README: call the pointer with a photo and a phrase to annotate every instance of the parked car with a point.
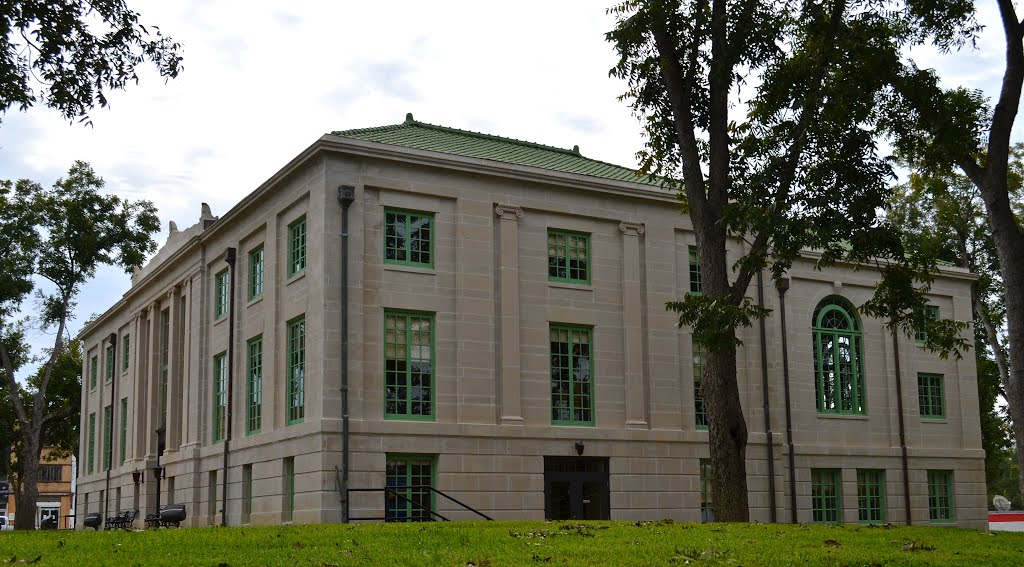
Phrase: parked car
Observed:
(5, 524)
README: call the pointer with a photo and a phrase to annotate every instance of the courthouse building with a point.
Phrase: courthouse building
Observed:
(414, 321)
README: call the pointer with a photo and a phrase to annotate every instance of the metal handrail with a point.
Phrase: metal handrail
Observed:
(394, 491)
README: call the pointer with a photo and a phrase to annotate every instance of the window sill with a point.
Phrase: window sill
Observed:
(295, 277)
(853, 416)
(568, 424)
(934, 420)
(220, 320)
(567, 285)
(254, 300)
(410, 269)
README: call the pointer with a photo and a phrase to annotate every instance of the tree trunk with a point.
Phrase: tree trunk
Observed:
(27, 494)
(727, 436)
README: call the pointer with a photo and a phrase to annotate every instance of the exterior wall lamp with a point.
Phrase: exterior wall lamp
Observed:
(137, 477)
(579, 448)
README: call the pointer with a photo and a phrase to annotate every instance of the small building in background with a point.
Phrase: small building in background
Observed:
(56, 494)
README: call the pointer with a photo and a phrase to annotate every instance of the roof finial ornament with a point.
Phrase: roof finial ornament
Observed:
(576, 149)
(408, 118)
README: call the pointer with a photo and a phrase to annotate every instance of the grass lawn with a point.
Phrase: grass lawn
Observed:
(497, 544)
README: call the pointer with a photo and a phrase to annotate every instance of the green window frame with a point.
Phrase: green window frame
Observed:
(296, 370)
(931, 314)
(126, 345)
(108, 434)
(707, 506)
(297, 247)
(409, 366)
(700, 410)
(124, 430)
(408, 479)
(109, 370)
(409, 238)
(826, 496)
(568, 257)
(220, 396)
(92, 442)
(256, 275)
(254, 385)
(165, 352)
(694, 261)
(931, 396)
(838, 369)
(871, 496)
(94, 368)
(220, 294)
(288, 477)
(940, 496)
(572, 375)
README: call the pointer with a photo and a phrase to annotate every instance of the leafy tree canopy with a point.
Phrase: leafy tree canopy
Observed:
(68, 54)
(53, 240)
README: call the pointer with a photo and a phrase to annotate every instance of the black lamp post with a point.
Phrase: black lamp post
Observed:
(161, 432)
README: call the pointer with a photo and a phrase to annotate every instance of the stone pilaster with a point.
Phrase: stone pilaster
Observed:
(510, 387)
(632, 329)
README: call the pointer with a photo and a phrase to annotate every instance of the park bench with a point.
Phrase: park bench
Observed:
(122, 521)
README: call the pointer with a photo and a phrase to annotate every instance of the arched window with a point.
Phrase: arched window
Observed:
(838, 368)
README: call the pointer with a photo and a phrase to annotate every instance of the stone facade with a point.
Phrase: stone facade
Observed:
(488, 439)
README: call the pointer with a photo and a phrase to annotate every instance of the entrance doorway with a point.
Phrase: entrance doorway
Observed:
(48, 518)
(576, 488)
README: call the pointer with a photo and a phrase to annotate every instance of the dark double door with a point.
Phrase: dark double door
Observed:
(576, 488)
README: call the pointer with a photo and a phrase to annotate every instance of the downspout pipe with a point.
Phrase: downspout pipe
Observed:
(783, 286)
(112, 339)
(903, 432)
(229, 256)
(346, 196)
(767, 407)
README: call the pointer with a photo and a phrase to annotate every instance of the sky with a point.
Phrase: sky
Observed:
(264, 80)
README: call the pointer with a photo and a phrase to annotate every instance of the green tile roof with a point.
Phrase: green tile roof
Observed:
(423, 136)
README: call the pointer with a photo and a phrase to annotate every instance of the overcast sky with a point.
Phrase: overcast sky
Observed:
(263, 80)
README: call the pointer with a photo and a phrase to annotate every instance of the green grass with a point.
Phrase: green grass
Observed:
(498, 544)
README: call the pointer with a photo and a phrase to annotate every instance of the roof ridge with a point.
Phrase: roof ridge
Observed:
(388, 133)
(575, 151)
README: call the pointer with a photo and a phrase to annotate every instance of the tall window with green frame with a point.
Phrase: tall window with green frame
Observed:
(408, 238)
(940, 496)
(870, 496)
(108, 434)
(838, 370)
(407, 480)
(408, 365)
(109, 373)
(930, 397)
(254, 385)
(126, 345)
(220, 295)
(123, 445)
(572, 377)
(92, 442)
(165, 353)
(694, 261)
(707, 507)
(296, 370)
(94, 368)
(220, 396)
(568, 257)
(826, 496)
(297, 247)
(931, 314)
(700, 411)
(256, 272)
